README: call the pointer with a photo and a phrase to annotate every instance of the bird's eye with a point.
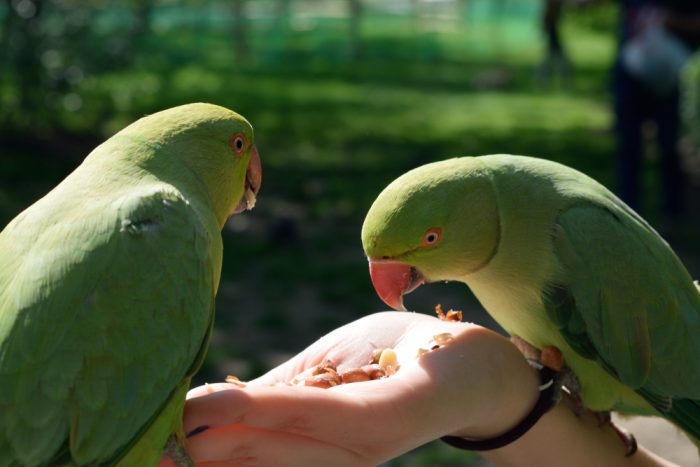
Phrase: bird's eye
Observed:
(432, 236)
(238, 143)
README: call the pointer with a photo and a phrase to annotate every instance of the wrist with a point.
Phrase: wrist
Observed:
(548, 397)
(509, 392)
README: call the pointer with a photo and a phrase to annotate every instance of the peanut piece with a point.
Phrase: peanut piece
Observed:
(388, 360)
(453, 315)
(325, 380)
(439, 312)
(376, 353)
(354, 375)
(235, 381)
(374, 371)
(443, 338)
(304, 375)
(324, 367)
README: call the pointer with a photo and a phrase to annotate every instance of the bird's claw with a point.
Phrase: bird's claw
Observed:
(625, 436)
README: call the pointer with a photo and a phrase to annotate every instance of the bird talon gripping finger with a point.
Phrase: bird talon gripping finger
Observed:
(630, 442)
(557, 260)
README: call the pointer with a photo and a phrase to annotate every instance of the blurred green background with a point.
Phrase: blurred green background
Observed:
(344, 95)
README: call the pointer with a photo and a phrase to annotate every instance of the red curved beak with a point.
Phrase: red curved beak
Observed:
(253, 175)
(253, 180)
(392, 280)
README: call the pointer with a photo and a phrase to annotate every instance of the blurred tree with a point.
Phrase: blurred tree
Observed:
(690, 103)
(48, 47)
(240, 29)
(21, 40)
(355, 11)
(282, 13)
(140, 12)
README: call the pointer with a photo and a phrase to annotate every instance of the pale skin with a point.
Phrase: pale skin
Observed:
(477, 386)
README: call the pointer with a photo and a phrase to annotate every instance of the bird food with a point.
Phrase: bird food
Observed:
(443, 338)
(451, 315)
(326, 375)
(382, 363)
(235, 381)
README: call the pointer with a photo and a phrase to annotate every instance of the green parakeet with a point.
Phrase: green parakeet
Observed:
(557, 260)
(107, 289)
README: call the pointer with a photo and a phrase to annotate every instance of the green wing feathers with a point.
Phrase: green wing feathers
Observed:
(101, 318)
(632, 298)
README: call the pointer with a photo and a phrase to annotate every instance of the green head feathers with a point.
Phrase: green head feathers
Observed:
(212, 143)
(441, 218)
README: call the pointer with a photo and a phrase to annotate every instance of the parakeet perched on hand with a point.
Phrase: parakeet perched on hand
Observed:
(557, 260)
(107, 289)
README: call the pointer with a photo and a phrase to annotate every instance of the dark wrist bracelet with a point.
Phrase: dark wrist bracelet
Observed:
(549, 396)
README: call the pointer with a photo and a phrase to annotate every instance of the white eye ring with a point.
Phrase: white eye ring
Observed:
(432, 236)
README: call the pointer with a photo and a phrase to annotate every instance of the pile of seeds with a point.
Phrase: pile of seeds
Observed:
(382, 363)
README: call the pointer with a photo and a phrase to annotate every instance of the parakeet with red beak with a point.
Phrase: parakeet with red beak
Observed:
(557, 260)
(107, 289)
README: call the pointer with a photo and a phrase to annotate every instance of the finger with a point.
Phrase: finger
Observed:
(289, 369)
(372, 417)
(239, 445)
(267, 407)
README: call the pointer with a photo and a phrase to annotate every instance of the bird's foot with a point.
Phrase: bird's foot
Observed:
(177, 453)
(549, 356)
(552, 358)
(603, 417)
(572, 389)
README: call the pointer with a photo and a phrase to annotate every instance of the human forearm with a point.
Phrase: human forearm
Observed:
(561, 438)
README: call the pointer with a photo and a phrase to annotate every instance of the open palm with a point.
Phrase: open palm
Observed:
(461, 388)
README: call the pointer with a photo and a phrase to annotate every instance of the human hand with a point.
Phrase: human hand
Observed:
(476, 386)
